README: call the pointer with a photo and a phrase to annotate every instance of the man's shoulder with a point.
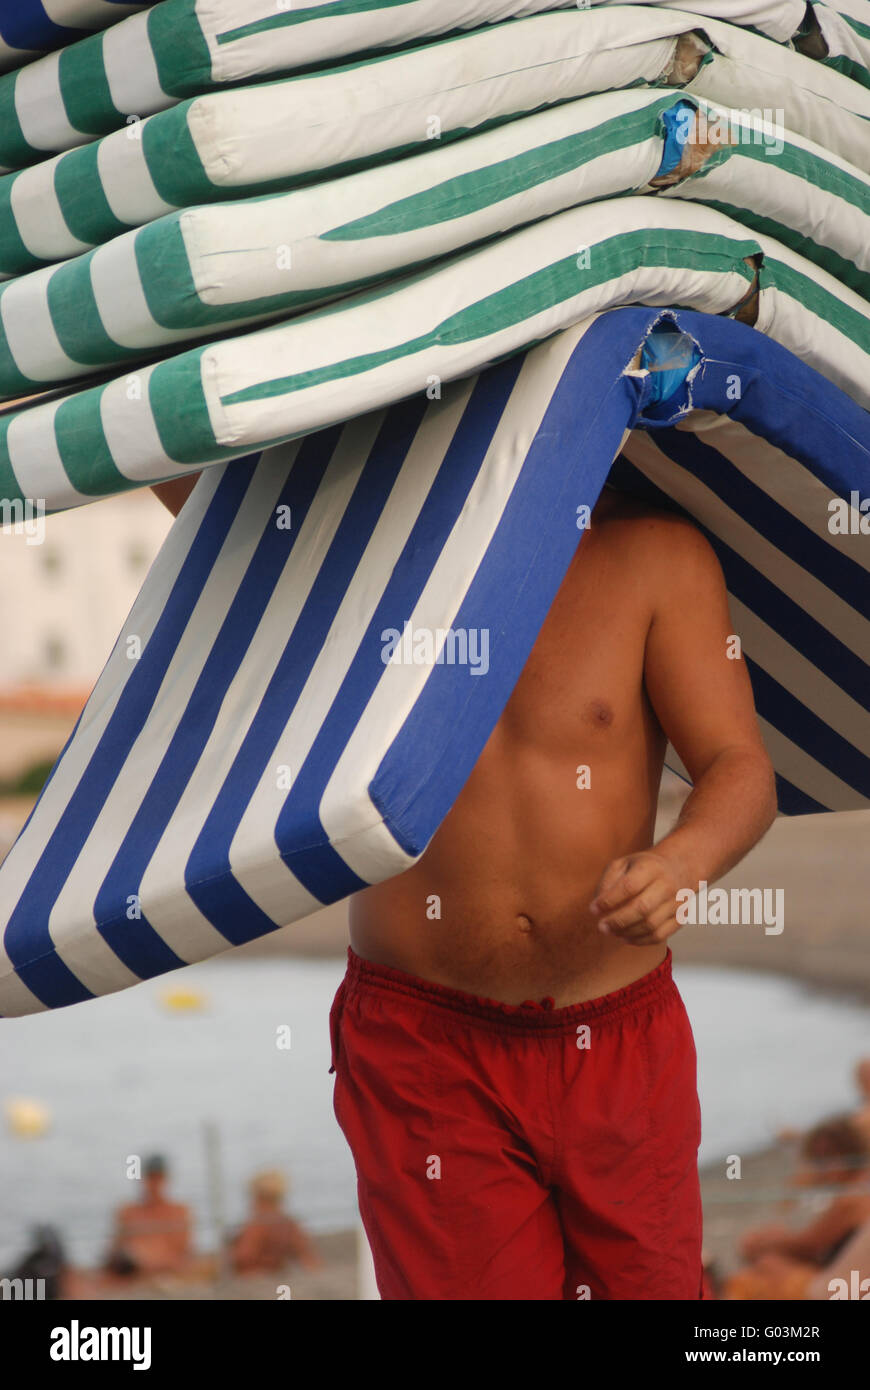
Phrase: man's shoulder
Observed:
(659, 535)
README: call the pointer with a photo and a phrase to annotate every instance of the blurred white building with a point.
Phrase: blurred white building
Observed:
(64, 596)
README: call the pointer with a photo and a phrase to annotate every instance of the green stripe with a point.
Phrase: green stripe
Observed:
(339, 9)
(10, 487)
(83, 203)
(179, 47)
(173, 161)
(849, 68)
(812, 296)
(82, 445)
(76, 317)
(172, 298)
(85, 90)
(15, 152)
(531, 295)
(863, 30)
(845, 271)
(186, 433)
(468, 193)
(811, 169)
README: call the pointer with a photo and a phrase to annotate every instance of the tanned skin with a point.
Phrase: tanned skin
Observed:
(550, 889)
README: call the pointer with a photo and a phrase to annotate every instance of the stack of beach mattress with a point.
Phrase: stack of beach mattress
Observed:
(332, 628)
(408, 308)
(182, 48)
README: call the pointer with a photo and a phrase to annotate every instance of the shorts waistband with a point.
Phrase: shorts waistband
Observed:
(531, 1016)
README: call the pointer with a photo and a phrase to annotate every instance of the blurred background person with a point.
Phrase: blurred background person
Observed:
(153, 1235)
(270, 1237)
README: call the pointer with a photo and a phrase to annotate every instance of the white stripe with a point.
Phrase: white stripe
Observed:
(86, 14)
(130, 429)
(813, 338)
(820, 602)
(131, 68)
(22, 859)
(818, 692)
(16, 999)
(454, 570)
(168, 911)
(809, 776)
(121, 299)
(30, 333)
(790, 483)
(267, 881)
(35, 457)
(40, 109)
(162, 896)
(126, 178)
(38, 217)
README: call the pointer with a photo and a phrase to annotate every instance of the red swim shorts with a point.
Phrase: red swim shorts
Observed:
(521, 1152)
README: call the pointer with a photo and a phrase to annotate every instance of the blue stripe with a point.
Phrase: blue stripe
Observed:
(786, 713)
(235, 914)
(781, 399)
(435, 751)
(455, 477)
(143, 951)
(843, 575)
(24, 24)
(796, 626)
(759, 594)
(27, 939)
(793, 802)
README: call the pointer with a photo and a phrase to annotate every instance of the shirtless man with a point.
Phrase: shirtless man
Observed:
(515, 1072)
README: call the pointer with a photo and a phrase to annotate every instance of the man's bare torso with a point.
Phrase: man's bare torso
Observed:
(515, 864)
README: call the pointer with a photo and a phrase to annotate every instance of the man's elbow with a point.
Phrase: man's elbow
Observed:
(758, 781)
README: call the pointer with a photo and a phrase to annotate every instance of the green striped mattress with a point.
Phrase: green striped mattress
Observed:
(258, 388)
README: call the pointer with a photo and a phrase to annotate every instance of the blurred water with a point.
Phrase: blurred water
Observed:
(122, 1076)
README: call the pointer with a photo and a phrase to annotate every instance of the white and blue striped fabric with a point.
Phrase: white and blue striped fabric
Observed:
(270, 735)
(31, 27)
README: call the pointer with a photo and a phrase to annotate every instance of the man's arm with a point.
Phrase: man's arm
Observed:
(703, 699)
(175, 493)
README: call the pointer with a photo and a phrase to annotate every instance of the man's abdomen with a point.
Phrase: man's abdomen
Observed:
(499, 903)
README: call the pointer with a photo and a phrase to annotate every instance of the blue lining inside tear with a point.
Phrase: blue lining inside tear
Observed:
(669, 356)
(676, 123)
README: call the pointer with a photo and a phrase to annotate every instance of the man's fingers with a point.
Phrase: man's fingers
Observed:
(646, 935)
(611, 876)
(624, 880)
(647, 906)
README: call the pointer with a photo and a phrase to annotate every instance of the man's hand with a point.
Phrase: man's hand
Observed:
(636, 899)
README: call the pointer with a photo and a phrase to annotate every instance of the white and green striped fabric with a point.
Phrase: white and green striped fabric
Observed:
(212, 268)
(184, 47)
(252, 139)
(31, 27)
(235, 143)
(845, 28)
(227, 398)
